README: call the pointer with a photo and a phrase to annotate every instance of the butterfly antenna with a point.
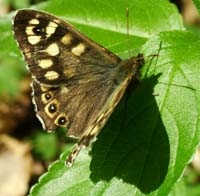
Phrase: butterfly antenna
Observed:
(127, 31)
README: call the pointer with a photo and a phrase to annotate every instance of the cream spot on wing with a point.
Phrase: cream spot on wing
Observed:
(64, 90)
(52, 49)
(66, 39)
(27, 53)
(51, 75)
(34, 21)
(43, 88)
(34, 39)
(79, 49)
(94, 131)
(29, 30)
(45, 63)
(70, 72)
(38, 15)
(43, 98)
(57, 21)
(51, 28)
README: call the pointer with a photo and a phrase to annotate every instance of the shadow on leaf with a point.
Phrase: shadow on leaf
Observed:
(133, 146)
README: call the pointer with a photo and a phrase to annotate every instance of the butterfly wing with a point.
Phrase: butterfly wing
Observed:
(76, 82)
(55, 51)
(75, 107)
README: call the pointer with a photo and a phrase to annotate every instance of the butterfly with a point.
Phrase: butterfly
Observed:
(76, 83)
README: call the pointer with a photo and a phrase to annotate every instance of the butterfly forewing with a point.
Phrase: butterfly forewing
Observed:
(54, 50)
(76, 82)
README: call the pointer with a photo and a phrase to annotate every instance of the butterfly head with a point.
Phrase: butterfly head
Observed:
(133, 64)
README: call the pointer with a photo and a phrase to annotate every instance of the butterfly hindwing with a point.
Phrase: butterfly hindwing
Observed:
(78, 107)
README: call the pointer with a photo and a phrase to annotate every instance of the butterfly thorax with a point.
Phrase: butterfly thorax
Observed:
(133, 65)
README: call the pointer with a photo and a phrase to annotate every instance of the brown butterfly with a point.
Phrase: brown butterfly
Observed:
(77, 83)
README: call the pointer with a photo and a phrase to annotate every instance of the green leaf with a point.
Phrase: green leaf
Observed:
(62, 181)
(11, 72)
(180, 189)
(178, 97)
(149, 139)
(197, 4)
(183, 188)
(45, 145)
(17, 4)
(10, 76)
(143, 20)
